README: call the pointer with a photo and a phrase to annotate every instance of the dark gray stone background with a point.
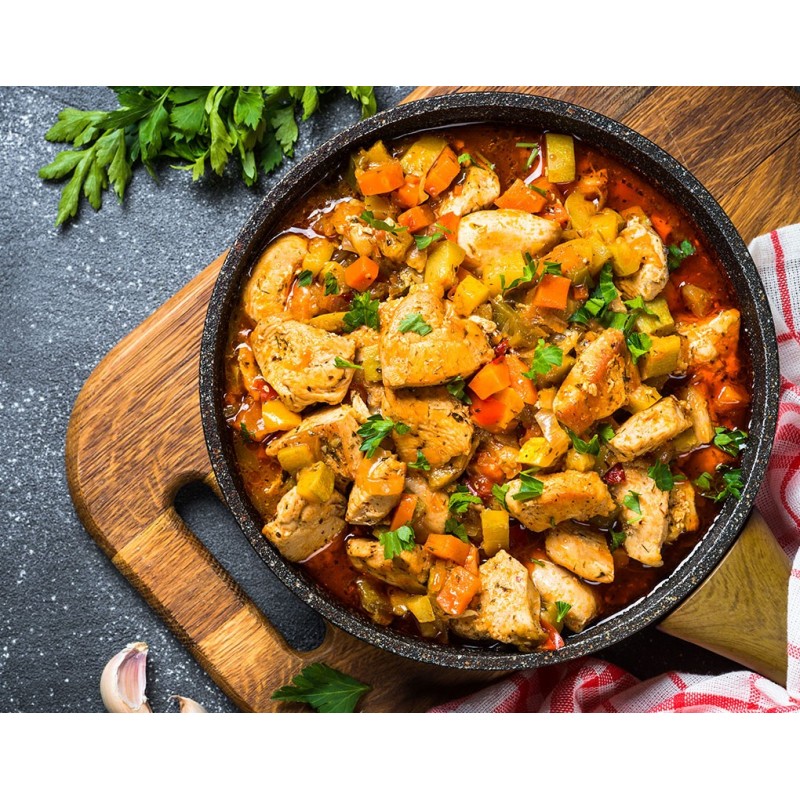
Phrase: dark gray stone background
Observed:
(66, 297)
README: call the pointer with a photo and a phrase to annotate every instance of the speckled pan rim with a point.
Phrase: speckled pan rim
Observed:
(631, 149)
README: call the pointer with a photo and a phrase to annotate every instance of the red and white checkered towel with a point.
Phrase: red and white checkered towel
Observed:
(593, 685)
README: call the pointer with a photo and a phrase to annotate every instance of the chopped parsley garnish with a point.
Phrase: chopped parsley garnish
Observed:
(331, 284)
(363, 311)
(636, 304)
(421, 462)
(425, 241)
(526, 144)
(638, 345)
(534, 148)
(703, 481)
(617, 539)
(415, 324)
(531, 487)
(528, 274)
(545, 357)
(607, 433)
(325, 689)
(456, 528)
(485, 160)
(592, 447)
(499, 493)
(462, 499)
(464, 157)
(662, 476)
(375, 430)
(305, 277)
(381, 224)
(563, 609)
(676, 254)
(456, 388)
(602, 295)
(731, 485)
(537, 561)
(631, 501)
(394, 542)
(342, 363)
(538, 189)
(731, 442)
(246, 435)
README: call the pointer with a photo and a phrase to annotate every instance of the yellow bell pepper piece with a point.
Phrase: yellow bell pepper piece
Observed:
(511, 268)
(560, 150)
(469, 294)
(641, 398)
(277, 417)
(295, 457)
(494, 526)
(420, 606)
(315, 483)
(443, 262)
(319, 253)
(583, 462)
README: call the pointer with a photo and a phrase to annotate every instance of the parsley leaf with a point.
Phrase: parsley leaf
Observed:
(592, 447)
(331, 284)
(456, 388)
(381, 224)
(545, 357)
(602, 295)
(528, 274)
(414, 323)
(499, 493)
(617, 539)
(662, 475)
(703, 481)
(538, 189)
(424, 241)
(676, 254)
(246, 435)
(607, 433)
(631, 501)
(732, 483)
(464, 157)
(342, 363)
(421, 462)
(534, 148)
(325, 689)
(363, 311)
(456, 528)
(531, 487)
(731, 442)
(563, 609)
(638, 345)
(305, 277)
(461, 499)
(375, 430)
(394, 542)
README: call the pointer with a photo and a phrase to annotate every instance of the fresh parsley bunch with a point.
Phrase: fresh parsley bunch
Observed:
(196, 126)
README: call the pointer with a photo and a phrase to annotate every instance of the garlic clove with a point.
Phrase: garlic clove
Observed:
(187, 705)
(124, 679)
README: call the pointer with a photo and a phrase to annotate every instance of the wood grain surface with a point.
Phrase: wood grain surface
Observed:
(124, 466)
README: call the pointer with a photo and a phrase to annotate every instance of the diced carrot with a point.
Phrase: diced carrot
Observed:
(521, 197)
(408, 195)
(442, 173)
(542, 183)
(552, 292)
(732, 395)
(487, 413)
(450, 222)
(492, 378)
(460, 586)
(554, 639)
(404, 511)
(708, 459)
(438, 575)
(523, 386)
(486, 464)
(662, 226)
(361, 274)
(443, 545)
(472, 563)
(381, 179)
(417, 218)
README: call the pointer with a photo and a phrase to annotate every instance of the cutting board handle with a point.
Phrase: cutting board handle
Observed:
(740, 610)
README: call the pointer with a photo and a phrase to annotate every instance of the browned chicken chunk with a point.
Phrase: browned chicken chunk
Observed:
(480, 188)
(371, 498)
(595, 386)
(646, 528)
(683, 516)
(582, 551)
(566, 495)
(653, 273)
(646, 430)
(507, 607)
(267, 288)
(300, 527)
(407, 571)
(297, 360)
(713, 338)
(432, 510)
(456, 347)
(556, 584)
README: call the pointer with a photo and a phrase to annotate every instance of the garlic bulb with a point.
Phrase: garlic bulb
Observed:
(123, 681)
(187, 705)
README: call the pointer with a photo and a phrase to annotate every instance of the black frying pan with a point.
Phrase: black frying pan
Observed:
(661, 171)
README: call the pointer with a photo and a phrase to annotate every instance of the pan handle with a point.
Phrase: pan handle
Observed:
(740, 610)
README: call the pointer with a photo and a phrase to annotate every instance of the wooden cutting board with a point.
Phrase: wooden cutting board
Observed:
(125, 466)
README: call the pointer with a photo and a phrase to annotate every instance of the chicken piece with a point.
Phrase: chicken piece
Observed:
(507, 607)
(487, 237)
(439, 424)
(267, 288)
(432, 511)
(481, 187)
(655, 426)
(407, 571)
(713, 338)
(371, 498)
(568, 495)
(683, 516)
(333, 437)
(653, 273)
(645, 529)
(581, 550)
(297, 360)
(456, 347)
(595, 386)
(300, 527)
(554, 583)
